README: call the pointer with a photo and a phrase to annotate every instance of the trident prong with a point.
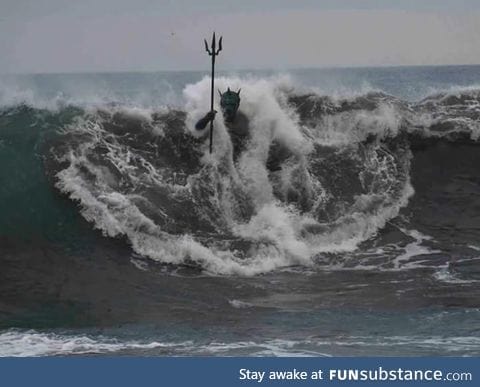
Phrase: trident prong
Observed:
(206, 47)
(212, 50)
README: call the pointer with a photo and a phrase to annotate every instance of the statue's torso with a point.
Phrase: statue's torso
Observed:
(239, 133)
(239, 126)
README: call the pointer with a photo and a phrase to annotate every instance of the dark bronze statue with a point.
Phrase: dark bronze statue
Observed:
(235, 120)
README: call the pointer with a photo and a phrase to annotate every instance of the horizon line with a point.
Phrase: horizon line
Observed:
(268, 69)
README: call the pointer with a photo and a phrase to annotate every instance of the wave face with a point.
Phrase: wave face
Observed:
(344, 171)
(351, 204)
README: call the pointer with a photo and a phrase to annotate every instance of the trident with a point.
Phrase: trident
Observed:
(213, 52)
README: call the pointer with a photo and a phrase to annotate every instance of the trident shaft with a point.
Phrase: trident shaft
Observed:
(213, 51)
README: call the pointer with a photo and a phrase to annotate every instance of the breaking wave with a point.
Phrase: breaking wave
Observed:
(320, 176)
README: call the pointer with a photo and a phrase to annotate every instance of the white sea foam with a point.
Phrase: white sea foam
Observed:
(240, 304)
(355, 126)
(444, 274)
(277, 230)
(413, 249)
(17, 343)
(30, 343)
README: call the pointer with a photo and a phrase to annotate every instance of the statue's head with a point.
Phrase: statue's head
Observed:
(229, 102)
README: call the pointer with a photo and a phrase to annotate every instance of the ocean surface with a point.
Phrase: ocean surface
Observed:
(121, 235)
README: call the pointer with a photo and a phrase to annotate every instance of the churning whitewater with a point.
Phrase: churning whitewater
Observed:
(344, 171)
(147, 175)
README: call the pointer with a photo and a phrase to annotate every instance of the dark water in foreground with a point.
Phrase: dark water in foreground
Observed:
(120, 235)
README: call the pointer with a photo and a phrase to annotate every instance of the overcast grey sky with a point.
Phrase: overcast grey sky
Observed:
(148, 35)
